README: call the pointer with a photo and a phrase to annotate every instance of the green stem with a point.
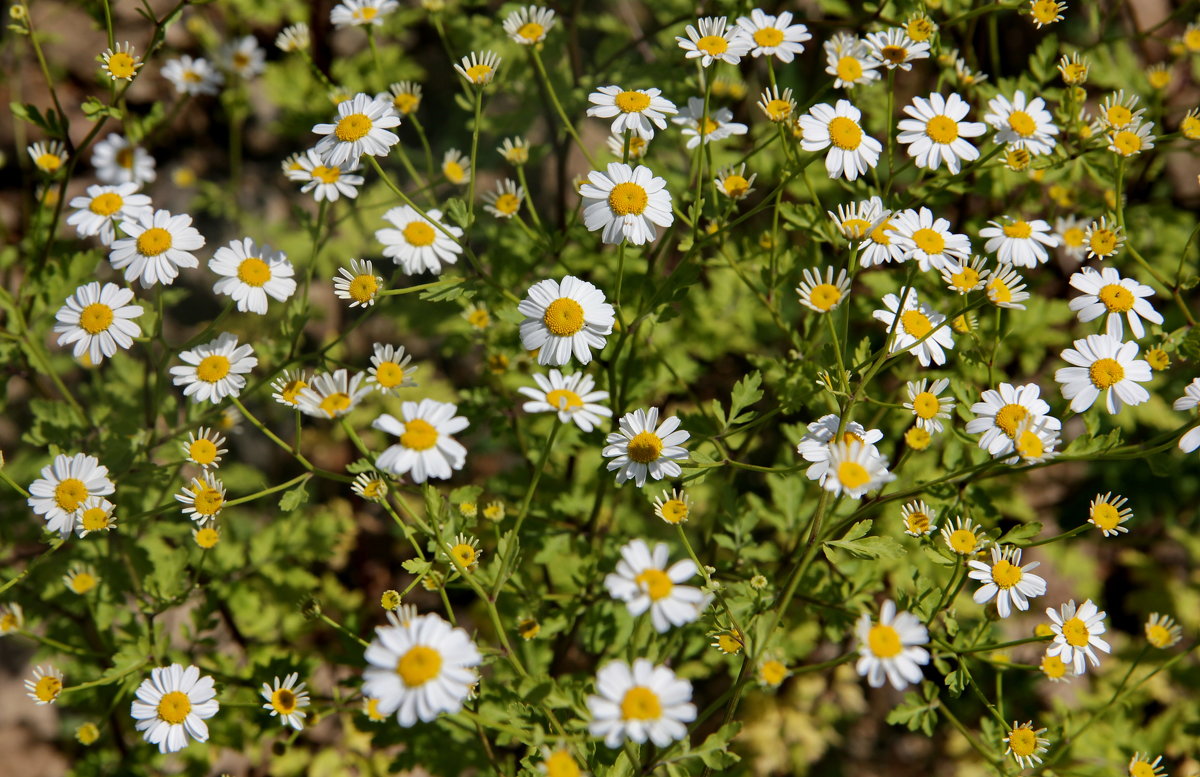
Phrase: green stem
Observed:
(541, 69)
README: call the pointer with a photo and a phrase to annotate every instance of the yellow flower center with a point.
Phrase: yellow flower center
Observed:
(728, 643)
(880, 233)
(768, 37)
(174, 707)
(641, 703)
(1072, 237)
(845, 133)
(917, 523)
(851, 474)
(1141, 769)
(1075, 632)
(125, 158)
(655, 583)
(291, 390)
(998, 291)
(207, 537)
(202, 451)
(825, 296)
(69, 493)
(926, 405)
(563, 399)
(363, 288)
(47, 689)
(507, 203)
(1009, 417)
(284, 701)
(531, 31)
(735, 185)
(94, 519)
(963, 541)
(1018, 229)
(1191, 39)
(154, 241)
(406, 102)
(207, 500)
(454, 172)
(942, 129)
(1106, 516)
(48, 162)
(327, 174)
(213, 368)
(1103, 242)
(1005, 574)
(1118, 115)
(628, 199)
(917, 438)
(778, 110)
(1116, 298)
(466, 554)
(561, 764)
(896, 55)
(1053, 667)
(916, 323)
(563, 317)
(1159, 636)
(353, 127)
(478, 74)
(965, 280)
(712, 45)
(419, 234)
(773, 672)
(1190, 127)
(1106, 373)
(479, 318)
(82, 582)
(1158, 359)
(1030, 446)
(419, 665)
(367, 13)
(919, 29)
(335, 403)
(645, 447)
(884, 641)
(1127, 143)
(1022, 123)
(674, 511)
(529, 628)
(854, 227)
(849, 69)
(929, 240)
(106, 204)
(254, 272)
(419, 435)
(632, 101)
(389, 374)
(1022, 741)
(121, 65)
(192, 77)
(95, 318)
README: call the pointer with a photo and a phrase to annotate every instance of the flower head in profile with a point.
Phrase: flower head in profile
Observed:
(294, 37)
(529, 24)
(332, 394)
(823, 294)
(891, 649)
(918, 519)
(563, 319)
(326, 182)
(172, 705)
(48, 157)
(892, 48)
(1006, 288)
(1162, 631)
(572, 397)
(778, 106)
(700, 126)
(12, 618)
(639, 703)
(426, 447)
(215, 370)
(733, 183)
(478, 69)
(1019, 242)
(643, 447)
(644, 582)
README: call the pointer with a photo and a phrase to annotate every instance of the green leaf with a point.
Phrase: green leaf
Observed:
(746, 392)
(714, 750)
(293, 498)
(918, 711)
(416, 566)
(870, 547)
(1023, 533)
(93, 109)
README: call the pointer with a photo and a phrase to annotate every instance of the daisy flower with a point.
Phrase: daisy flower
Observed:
(215, 370)
(642, 447)
(193, 76)
(637, 110)
(1189, 125)
(639, 703)
(854, 468)
(465, 551)
(999, 414)
(1118, 112)
(717, 125)
(1036, 441)
(1106, 293)
(251, 273)
(363, 127)
(117, 162)
(1162, 631)
(80, 579)
(64, 486)
(929, 240)
(505, 200)
(918, 519)
(967, 278)
(294, 37)
(103, 207)
(1076, 633)
(814, 445)
(1108, 513)
(95, 515)
(426, 447)
(1131, 140)
(203, 500)
(1006, 288)
(478, 70)
(371, 486)
(772, 673)
(359, 284)
(45, 686)
(564, 318)
(529, 24)
(936, 132)
(773, 36)
(848, 59)
(244, 57)
(1190, 441)
(917, 327)
(1102, 364)
(405, 96)
(420, 668)
(927, 404)
(1025, 744)
(1070, 231)
(823, 294)
(777, 106)
(389, 370)
(644, 582)
(712, 40)
(286, 700)
(1141, 766)
(419, 243)
(1055, 670)
(851, 151)
(206, 537)
(455, 167)
(559, 762)
(891, 649)
(964, 537)
(515, 150)
(892, 48)
(48, 157)
(204, 447)
(855, 220)
(570, 396)
(1019, 242)
(880, 246)
(158, 246)
(120, 62)
(361, 13)
(1103, 240)
(326, 182)
(332, 395)
(286, 388)
(733, 183)
(98, 320)
(172, 705)
(1006, 581)
(11, 618)
(673, 506)
(1022, 124)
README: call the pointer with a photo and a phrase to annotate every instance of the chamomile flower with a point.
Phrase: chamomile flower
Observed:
(965, 75)
(202, 498)
(1036, 441)
(698, 128)
(465, 551)
(389, 370)
(892, 648)
(244, 57)
(855, 468)
(80, 579)
(1142, 766)
(405, 96)
(1006, 581)
(1022, 123)
(848, 59)
(852, 152)
(206, 537)
(294, 37)
(505, 200)
(936, 132)
(158, 246)
(95, 515)
(571, 396)
(564, 319)
(892, 48)
(773, 36)
(1189, 125)
(371, 486)
(215, 370)
(639, 703)
(361, 13)
(426, 448)
(286, 700)
(927, 404)
(1054, 670)
(777, 106)
(1106, 293)
(855, 220)
(733, 183)
(970, 277)
(823, 294)
(1162, 631)
(918, 519)
(45, 686)
(1131, 140)
(456, 168)
(332, 395)
(48, 157)
(930, 241)
(728, 642)
(644, 582)
(98, 320)
(880, 245)
(637, 146)
(359, 284)
(1045, 12)
(172, 704)
(815, 444)
(515, 150)
(673, 506)
(363, 127)
(964, 537)
(713, 40)
(120, 62)
(1006, 288)
(250, 273)
(1118, 111)
(917, 328)
(1000, 412)
(772, 672)
(529, 24)
(12, 618)
(203, 447)
(1103, 239)
(285, 389)
(1190, 441)
(117, 162)
(63, 488)
(326, 182)
(637, 110)
(418, 243)
(1026, 744)
(103, 207)
(1076, 633)
(1070, 232)
(193, 76)
(1102, 364)
(1108, 513)
(420, 668)
(1019, 242)
(478, 69)
(643, 447)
